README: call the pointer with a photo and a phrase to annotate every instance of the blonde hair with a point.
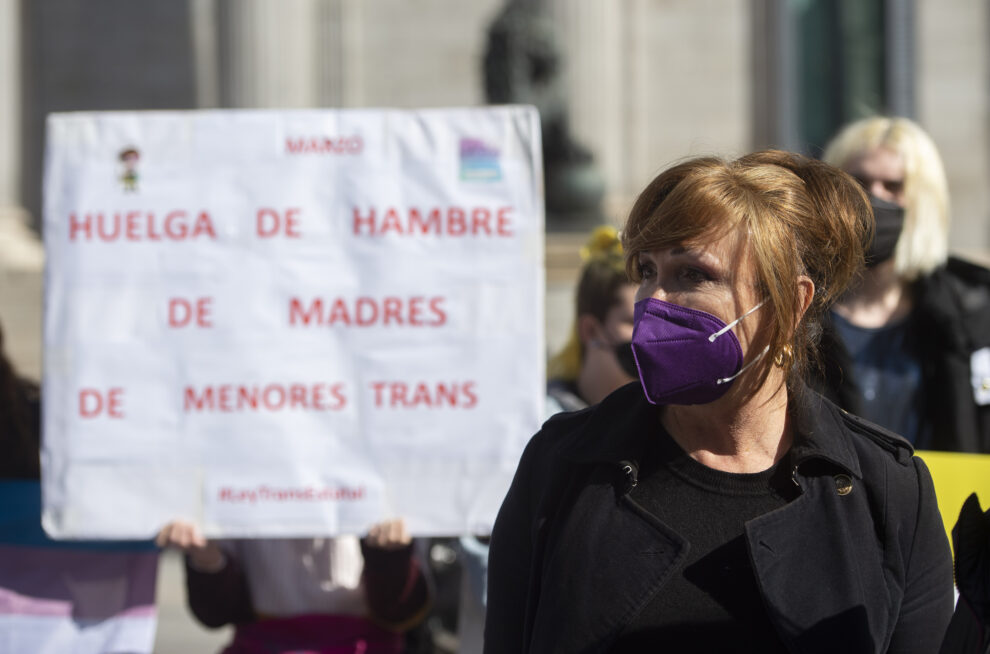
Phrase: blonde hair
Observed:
(603, 273)
(801, 217)
(924, 243)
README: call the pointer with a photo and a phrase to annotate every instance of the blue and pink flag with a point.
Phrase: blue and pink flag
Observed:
(80, 597)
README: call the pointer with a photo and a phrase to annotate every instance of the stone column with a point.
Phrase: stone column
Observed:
(289, 54)
(953, 106)
(10, 97)
(341, 70)
(595, 59)
(774, 72)
(650, 82)
(19, 246)
(267, 53)
(205, 39)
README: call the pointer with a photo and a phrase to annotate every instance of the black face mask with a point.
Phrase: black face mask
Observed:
(624, 353)
(890, 222)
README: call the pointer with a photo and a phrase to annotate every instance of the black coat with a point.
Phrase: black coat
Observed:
(952, 314)
(573, 559)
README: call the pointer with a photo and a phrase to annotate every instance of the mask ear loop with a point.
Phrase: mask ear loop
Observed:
(724, 380)
(711, 339)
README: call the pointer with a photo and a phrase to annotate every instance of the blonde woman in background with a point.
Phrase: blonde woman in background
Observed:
(908, 346)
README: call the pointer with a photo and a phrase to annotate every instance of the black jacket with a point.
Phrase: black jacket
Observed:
(952, 310)
(573, 559)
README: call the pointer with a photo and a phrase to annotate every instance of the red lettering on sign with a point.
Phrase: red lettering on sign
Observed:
(391, 221)
(416, 311)
(223, 396)
(503, 221)
(379, 388)
(140, 226)
(201, 402)
(182, 312)
(76, 225)
(425, 226)
(361, 222)
(367, 311)
(337, 396)
(175, 225)
(456, 225)
(339, 313)
(479, 220)
(94, 403)
(271, 223)
(229, 398)
(297, 313)
(437, 221)
(90, 403)
(470, 395)
(324, 145)
(247, 396)
(423, 394)
(393, 310)
(438, 311)
(297, 396)
(292, 223)
(447, 394)
(133, 227)
(274, 396)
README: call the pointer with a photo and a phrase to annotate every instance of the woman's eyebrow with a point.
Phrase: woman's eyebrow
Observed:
(696, 252)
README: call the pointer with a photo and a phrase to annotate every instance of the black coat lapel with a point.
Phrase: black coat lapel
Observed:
(819, 559)
(609, 563)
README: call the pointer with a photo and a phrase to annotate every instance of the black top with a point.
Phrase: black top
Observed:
(886, 363)
(951, 322)
(20, 427)
(711, 603)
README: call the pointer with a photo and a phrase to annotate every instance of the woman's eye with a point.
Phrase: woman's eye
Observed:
(693, 275)
(645, 270)
(893, 186)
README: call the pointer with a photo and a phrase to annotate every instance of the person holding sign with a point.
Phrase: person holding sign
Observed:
(719, 503)
(331, 595)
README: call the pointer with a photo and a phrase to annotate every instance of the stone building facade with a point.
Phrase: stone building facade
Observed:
(648, 81)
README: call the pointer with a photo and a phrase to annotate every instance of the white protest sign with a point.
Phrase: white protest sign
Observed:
(289, 323)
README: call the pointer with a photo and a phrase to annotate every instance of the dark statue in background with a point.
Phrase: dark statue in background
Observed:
(523, 65)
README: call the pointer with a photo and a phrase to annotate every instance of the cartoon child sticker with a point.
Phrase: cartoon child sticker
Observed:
(129, 177)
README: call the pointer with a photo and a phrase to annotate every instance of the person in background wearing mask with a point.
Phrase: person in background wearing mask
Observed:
(908, 346)
(597, 358)
(721, 505)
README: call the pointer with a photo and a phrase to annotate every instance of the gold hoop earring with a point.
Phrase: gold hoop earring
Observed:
(784, 357)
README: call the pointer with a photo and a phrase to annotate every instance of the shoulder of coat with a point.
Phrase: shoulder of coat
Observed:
(557, 430)
(894, 444)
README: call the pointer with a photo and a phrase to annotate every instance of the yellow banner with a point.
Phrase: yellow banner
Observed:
(956, 475)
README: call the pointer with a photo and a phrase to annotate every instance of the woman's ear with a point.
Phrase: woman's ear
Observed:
(588, 329)
(806, 293)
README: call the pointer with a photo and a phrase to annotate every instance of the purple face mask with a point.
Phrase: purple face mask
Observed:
(685, 356)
